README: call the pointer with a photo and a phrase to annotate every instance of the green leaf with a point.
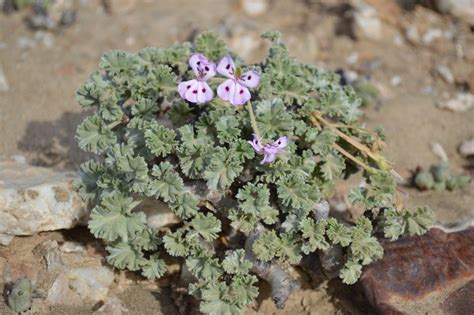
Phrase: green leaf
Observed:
(160, 140)
(154, 267)
(89, 174)
(294, 193)
(351, 272)
(211, 46)
(332, 167)
(185, 206)
(175, 244)
(94, 136)
(167, 184)
(314, 233)
(235, 263)
(110, 225)
(224, 167)
(266, 247)
(338, 233)
(243, 290)
(289, 249)
(204, 267)
(122, 255)
(216, 300)
(321, 142)
(207, 226)
(272, 119)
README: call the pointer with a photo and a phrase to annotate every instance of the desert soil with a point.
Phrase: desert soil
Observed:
(38, 113)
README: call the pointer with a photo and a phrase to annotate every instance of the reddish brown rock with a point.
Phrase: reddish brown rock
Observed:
(429, 274)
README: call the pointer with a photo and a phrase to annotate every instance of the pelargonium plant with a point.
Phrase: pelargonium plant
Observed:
(247, 157)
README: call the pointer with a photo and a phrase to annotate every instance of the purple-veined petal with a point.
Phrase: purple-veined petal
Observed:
(191, 94)
(241, 95)
(250, 79)
(226, 90)
(281, 143)
(255, 143)
(183, 87)
(226, 67)
(268, 158)
(205, 94)
(208, 70)
(196, 61)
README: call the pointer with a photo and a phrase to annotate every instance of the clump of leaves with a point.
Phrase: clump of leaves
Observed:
(439, 177)
(200, 156)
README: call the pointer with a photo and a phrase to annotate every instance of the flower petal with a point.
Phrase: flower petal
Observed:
(205, 94)
(255, 143)
(183, 87)
(281, 143)
(196, 61)
(226, 90)
(191, 94)
(208, 70)
(241, 95)
(268, 158)
(250, 79)
(226, 67)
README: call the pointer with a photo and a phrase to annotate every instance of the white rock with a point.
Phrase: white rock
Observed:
(25, 42)
(445, 73)
(34, 199)
(254, 7)
(430, 35)
(3, 81)
(352, 58)
(396, 80)
(463, 9)
(461, 103)
(72, 247)
(467, 148)
(439, 151)
(73, 286)
(412, 34)
(112, 306)
(367, 22)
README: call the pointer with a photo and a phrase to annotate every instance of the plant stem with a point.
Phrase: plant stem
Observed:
(253, 121)
(353, 158)
(380, 160)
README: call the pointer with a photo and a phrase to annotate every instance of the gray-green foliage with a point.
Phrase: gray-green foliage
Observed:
(152, 144)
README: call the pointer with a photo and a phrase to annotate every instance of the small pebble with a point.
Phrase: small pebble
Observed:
(396, 80)
(45, 38)
(412, 34)
(3, 81)
(467, 148)
(445, 73)
(352, 58)
(24, 42)
(461, 103)
(431, 35)
(254, 7)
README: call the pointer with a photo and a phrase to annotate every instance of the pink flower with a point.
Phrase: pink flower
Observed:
(269, 150)
(197, 90)
(235, 89)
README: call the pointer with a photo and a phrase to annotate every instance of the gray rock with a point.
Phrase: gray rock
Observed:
(3, 81)
(45, 38)
(35, 199)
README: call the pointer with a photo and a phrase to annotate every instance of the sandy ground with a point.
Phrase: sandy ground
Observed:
(38, 114)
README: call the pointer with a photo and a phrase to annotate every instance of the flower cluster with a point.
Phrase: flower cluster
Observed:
(234, 90)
